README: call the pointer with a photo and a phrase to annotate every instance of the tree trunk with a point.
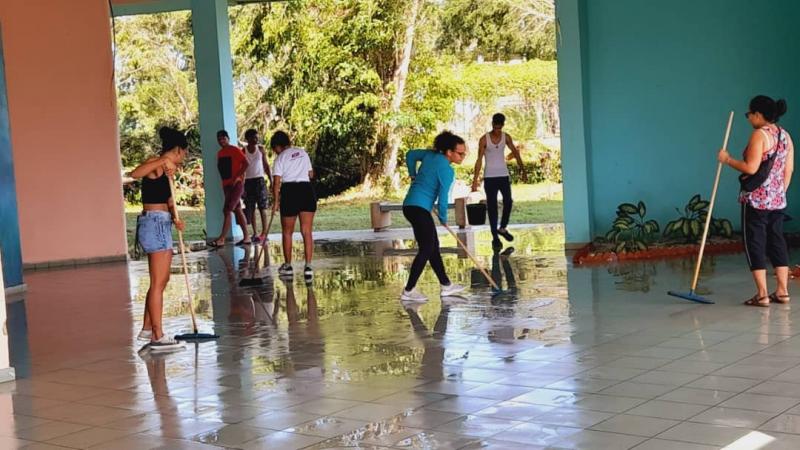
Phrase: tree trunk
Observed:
(387, 146)
(399, 81)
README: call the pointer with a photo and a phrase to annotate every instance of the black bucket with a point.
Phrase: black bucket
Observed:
(476, 213)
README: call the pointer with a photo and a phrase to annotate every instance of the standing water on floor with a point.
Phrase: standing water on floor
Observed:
(565, 357)
(350, 321)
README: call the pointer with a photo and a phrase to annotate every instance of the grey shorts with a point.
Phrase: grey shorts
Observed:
(154, 231)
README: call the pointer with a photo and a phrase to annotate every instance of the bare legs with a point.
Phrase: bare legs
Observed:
(306, 229)
(158, 264)
(241, 220)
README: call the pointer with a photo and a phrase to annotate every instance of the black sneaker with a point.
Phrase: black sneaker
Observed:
(506, 235)
(496, 244)
(308, 273)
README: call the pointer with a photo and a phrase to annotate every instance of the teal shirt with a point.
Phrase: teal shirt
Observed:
(432, 180)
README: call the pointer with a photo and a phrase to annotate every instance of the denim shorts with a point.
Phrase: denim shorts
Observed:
(154, 231)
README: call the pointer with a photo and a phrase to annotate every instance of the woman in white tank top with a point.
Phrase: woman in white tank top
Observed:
(496, 179)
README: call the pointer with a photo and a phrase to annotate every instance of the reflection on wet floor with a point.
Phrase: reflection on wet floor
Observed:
(593, 357)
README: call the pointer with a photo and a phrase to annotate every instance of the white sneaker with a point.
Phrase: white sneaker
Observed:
(411, 306)
(413, 296)
(145, 335)
(285, 270)
(454, 300)
(452, 289)
(165, 344)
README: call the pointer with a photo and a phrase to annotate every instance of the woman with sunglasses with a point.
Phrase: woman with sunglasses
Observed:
(430, 183)
(763, 207)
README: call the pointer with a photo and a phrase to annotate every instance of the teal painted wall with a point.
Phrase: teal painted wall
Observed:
(660, 79)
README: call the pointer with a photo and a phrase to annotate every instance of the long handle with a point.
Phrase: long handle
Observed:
(474, 260)
(711, 207)
(183, 257)
(263, 245)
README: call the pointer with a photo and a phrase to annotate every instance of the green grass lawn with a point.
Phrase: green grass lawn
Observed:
(533, 204)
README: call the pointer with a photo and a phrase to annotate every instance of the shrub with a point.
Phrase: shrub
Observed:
(689, 225)
(630, 231)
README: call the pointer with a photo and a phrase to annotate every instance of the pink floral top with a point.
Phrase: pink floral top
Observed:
(772, 194)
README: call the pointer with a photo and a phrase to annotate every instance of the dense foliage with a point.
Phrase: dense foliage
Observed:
(354, 81)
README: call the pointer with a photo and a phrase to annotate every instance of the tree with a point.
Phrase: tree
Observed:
(354, 81)
(499, 30)
(156, 83)
(340, 72)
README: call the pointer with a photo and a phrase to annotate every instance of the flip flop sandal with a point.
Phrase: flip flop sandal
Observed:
(755, 301)
(214, 244)
(242, 243)
(506, 235)
(508, 251)
(774, 297)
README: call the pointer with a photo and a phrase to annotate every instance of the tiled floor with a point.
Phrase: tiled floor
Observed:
(597, 358)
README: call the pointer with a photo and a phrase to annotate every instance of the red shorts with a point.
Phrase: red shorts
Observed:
(233, 196)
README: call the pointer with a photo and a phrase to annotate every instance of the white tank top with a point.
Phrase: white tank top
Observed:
(256, 167)
(495, 157)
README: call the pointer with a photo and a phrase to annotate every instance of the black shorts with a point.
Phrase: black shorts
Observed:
(763, 238)
(297, 198)
(255, 193)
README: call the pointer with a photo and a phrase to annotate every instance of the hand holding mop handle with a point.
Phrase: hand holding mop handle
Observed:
(474, 260)
(711, 207)
(183, 256)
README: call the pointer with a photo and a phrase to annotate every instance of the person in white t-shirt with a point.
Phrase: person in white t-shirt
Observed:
(293, 196)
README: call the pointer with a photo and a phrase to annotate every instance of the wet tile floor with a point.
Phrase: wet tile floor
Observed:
(596, 357)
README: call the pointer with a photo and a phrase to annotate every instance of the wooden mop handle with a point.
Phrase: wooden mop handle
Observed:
(474, 260)
(711, 207)
(263, 245)
(183, 256)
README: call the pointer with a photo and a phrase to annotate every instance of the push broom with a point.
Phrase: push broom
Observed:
(692, 295)
(194, 335)
(495, 288)
(253, 280)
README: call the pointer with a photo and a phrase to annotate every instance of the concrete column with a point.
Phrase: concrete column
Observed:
(9, 219)
(575, 145)
(212, 52)
(6, 371)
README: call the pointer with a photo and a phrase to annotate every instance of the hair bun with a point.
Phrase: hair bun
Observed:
(165, 133)
(170, 137)
(781, 105)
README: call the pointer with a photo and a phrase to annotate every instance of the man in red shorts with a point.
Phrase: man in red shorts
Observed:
(232, 164)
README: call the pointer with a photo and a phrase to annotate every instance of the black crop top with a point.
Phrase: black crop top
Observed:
(155, 190)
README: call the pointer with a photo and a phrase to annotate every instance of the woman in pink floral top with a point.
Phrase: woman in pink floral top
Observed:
(763, 208)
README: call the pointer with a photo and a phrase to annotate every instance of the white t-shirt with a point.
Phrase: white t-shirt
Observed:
(292, 165)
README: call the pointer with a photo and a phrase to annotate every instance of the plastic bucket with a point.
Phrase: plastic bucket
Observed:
(476, 213)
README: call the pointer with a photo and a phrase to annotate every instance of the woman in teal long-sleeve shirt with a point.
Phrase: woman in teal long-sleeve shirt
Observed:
(430, 183)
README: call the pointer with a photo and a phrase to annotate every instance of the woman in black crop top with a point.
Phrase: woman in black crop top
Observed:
(154, 230)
